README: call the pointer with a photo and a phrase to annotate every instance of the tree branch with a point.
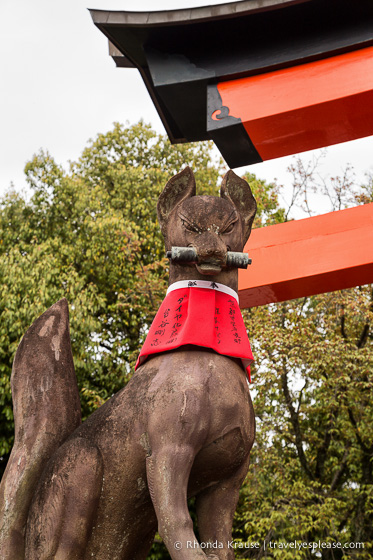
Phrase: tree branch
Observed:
(269, 536)
(343, 323)
(300, 396)
(364, 336)
(294, 417)
(340, 471)
(354, 423)
(322, 454)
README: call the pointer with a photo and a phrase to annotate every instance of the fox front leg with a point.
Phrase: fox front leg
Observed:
(215, 510)
(168, 470)
(168, 473)
(177, 430)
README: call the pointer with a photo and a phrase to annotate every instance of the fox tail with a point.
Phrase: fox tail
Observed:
(46, 411)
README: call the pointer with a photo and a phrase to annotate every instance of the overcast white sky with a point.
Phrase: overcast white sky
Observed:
(59, 87)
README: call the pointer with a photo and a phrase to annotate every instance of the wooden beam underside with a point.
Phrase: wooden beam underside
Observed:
(307, 106)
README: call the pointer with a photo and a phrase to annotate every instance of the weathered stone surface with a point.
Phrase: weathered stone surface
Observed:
(183, 426)
(46, 409)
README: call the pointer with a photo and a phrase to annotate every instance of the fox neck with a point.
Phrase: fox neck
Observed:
(228, 277)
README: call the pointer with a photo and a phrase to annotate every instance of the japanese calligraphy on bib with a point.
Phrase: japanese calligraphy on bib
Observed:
(202, 313)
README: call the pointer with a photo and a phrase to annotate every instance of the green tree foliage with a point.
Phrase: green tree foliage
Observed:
(311, 477)
(90, 234)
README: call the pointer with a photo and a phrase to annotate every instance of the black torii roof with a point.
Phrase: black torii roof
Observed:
(183, 53)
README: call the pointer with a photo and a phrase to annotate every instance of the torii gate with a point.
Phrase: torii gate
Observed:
(264, 79)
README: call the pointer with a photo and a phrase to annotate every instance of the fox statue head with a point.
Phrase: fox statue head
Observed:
(210, 225)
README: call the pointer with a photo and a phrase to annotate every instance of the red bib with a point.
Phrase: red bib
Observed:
(202, 313)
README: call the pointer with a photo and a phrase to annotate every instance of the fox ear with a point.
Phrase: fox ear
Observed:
(238, 192)
(178, 188)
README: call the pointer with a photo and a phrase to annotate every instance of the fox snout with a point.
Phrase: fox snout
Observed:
(211, 252)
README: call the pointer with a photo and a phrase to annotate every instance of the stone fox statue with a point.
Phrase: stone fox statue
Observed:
(182, 427)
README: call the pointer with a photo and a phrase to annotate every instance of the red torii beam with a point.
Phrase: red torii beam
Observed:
(304, 107)
(305, 257)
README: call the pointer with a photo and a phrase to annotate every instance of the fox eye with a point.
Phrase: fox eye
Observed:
(189, 227)
(229, 229)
